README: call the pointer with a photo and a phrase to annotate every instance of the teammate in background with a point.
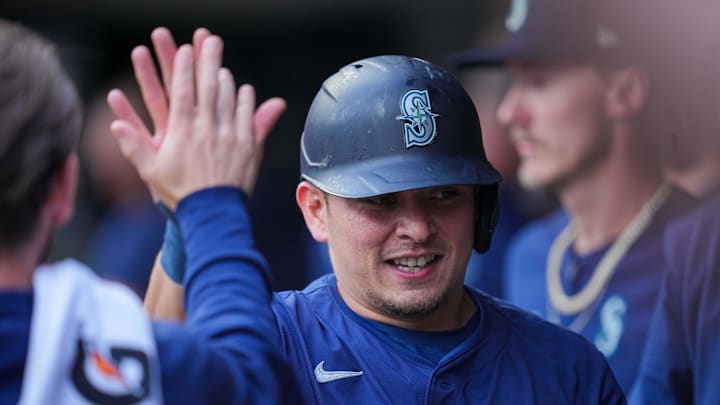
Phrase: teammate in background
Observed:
(680, 362)
(128, 229)
(394, 177)
(578, 111)
(70, 338)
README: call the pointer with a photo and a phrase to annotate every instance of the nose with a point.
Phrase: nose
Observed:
(510, 111)
(415, 222)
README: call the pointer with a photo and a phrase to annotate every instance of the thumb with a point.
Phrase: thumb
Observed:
(138, 149)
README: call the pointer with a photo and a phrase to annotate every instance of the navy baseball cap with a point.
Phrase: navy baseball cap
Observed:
(557, 30)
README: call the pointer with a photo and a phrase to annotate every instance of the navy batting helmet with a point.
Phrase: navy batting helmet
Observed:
(393, 123)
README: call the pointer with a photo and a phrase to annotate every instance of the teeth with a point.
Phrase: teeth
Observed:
(413, 264)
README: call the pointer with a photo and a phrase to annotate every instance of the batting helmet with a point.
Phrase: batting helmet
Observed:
(393, 123)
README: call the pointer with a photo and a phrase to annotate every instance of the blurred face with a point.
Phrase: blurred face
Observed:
(402, 256)
(115, 178)
(556, 119)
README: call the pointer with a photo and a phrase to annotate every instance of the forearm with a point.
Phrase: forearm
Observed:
(164, 298)
(227, 296)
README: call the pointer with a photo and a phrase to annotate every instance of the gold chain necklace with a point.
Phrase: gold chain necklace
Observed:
(573, 304)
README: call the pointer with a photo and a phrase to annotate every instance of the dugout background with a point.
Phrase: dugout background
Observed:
(284, 47)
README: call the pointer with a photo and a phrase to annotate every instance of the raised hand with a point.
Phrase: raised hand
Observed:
(202, 138)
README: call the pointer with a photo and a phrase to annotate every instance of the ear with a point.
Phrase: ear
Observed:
(313, 205)
(61, 199)
(627, 92)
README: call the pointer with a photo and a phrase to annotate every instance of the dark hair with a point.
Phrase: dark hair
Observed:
(41, 117)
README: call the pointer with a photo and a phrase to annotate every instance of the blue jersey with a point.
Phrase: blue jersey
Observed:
(617, 322)
(508, 356)
(227, 351)
(681, 363)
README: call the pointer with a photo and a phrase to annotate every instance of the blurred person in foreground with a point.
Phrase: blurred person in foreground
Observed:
(578, 110)
(72, 338)
(681, 361)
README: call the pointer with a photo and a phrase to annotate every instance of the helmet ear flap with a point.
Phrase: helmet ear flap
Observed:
(488, 213)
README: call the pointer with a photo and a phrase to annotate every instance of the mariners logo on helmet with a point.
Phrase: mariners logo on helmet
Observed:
(421, 129)
(517, 16)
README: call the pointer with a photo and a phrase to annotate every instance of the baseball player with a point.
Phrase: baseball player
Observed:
(680, 363)
(395, 179)
(70, 338)
(577, 112)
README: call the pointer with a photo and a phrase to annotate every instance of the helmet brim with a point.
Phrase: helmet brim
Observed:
(401, 173)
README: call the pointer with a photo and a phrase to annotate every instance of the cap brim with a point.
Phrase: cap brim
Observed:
(479, 57)
(516, 51)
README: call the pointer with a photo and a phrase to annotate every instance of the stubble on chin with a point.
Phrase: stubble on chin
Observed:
(408, 310)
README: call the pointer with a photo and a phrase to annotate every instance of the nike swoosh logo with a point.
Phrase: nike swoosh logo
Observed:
(324, 376)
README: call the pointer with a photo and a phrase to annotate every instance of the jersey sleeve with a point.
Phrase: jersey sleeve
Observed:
(228, 349)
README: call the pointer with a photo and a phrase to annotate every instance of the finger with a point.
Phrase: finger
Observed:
(151, 89)
(121, 107)
(244, 126)
(226, 102)
(244, 112)
(266, 116)
(210, 59)
(134, 146)
(182, 98)
(199, 36)
(165, 49)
